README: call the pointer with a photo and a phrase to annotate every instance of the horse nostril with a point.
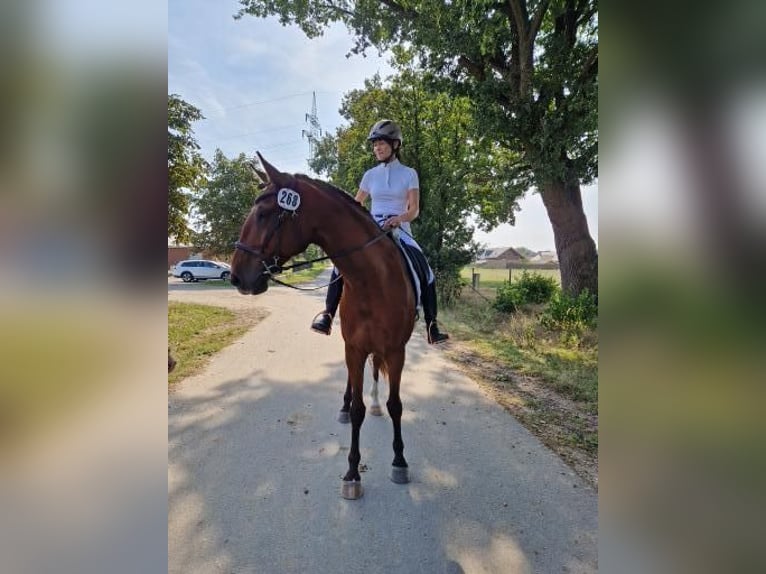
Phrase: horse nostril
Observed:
(234, 280)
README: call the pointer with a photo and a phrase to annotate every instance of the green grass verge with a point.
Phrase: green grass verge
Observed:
(197, 332)
(518, 345)
(303, 276)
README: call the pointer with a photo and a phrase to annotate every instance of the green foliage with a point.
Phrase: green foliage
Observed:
(571, 316)
(437, 142)
(536, 288)
(449, 287)
(535, 93)
(186, 166)
(224, 202)
(507, 299)
(530, 288)
(530, 74)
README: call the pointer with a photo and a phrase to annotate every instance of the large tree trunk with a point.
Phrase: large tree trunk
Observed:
(578, 258)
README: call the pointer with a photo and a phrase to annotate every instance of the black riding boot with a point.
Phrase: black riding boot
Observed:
(429, 314)
(322, 323)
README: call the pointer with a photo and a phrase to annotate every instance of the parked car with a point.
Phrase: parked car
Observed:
(196, 269)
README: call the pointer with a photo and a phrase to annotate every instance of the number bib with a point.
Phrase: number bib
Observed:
(288, 199)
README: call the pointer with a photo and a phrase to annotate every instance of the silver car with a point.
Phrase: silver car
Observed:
(196, 269)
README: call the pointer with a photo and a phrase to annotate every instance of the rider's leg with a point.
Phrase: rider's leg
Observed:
(428, 298)
(322, 323)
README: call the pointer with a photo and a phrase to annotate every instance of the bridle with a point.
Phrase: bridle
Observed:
(272, 269)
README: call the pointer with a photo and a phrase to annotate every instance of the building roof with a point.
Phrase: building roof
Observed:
(506, 253)
(545, 257)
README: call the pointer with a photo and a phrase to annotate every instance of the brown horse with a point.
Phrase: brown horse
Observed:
(378, 305)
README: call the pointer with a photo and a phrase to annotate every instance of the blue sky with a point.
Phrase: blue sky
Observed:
(253, 80)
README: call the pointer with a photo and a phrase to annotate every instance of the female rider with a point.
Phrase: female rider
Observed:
(395, 194)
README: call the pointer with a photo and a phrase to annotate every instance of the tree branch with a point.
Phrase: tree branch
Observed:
(499, 63)
(518, 11)
(339, 9)
(538, 19)
(589, 69)
(396, 7)
(476, 70)
(585, 16)
(520, 20)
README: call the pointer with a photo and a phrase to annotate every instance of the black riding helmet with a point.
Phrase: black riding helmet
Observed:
(388, 131)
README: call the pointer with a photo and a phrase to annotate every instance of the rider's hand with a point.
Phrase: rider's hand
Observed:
(392, 222)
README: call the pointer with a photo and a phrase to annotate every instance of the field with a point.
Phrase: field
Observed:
(491, 279)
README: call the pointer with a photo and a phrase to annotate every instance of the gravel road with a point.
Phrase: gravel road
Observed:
(255, 459)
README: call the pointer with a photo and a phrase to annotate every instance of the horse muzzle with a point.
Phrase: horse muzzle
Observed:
(255, 287)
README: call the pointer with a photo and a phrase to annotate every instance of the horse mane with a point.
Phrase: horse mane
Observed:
(334, 190)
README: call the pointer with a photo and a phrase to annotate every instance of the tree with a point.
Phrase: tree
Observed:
(531, 71)
(437, 133)
(186, 166)
(223, 203)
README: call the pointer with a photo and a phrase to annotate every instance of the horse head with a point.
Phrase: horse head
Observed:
(273, 232)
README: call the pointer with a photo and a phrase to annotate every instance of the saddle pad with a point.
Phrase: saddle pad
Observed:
(416, 265)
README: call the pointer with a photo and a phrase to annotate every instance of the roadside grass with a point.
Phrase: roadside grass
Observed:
(549, 383)
(302, 276)
(197, 332)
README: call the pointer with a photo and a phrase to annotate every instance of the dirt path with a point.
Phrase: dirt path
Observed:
(256, 456)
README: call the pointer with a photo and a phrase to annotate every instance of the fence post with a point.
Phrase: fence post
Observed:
(475, 279)
(510, 274)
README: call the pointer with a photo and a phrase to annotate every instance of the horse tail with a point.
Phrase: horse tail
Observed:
(379, 366)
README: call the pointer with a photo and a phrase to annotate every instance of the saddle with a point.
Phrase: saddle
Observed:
(416, 265)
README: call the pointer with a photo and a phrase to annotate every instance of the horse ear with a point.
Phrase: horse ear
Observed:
(274, 175)
(260, 174)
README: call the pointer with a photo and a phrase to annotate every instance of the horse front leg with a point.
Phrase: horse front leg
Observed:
(352, 481)
(343, 415)
(399, 469)
(375, 409)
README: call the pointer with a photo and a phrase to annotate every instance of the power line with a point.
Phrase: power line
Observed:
(279, 99)
(260, 132)
(281, 145)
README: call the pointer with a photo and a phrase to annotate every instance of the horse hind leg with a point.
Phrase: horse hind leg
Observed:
(375, 409)
(352, 481)
(399, 468)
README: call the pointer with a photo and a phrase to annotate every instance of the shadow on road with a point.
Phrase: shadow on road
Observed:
(256, 483)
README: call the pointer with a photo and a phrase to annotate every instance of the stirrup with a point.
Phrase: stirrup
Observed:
(433, 334)
(322, 323)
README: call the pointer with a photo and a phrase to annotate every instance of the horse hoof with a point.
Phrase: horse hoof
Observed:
(400, 474)
(375, 410)
(351, 489)
(344, 417)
